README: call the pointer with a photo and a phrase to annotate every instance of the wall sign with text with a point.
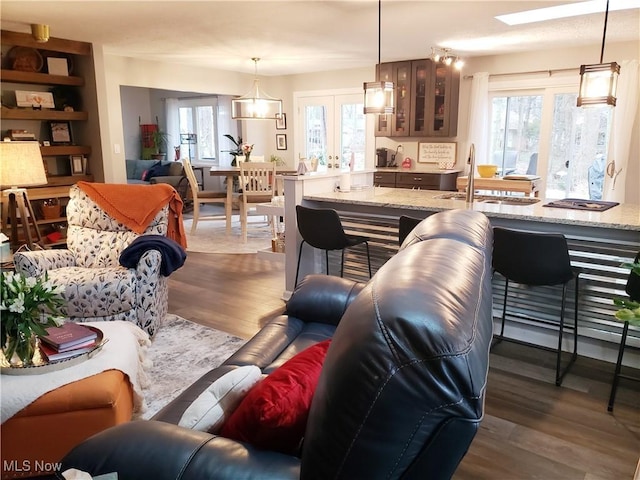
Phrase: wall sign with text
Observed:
(442, 153)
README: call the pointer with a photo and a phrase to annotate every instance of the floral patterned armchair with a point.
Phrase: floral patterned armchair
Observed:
(97, 286)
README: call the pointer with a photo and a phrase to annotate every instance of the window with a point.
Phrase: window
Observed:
(542, 132)
(201, 121)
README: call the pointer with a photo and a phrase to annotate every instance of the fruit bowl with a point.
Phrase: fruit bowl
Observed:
(487, 171)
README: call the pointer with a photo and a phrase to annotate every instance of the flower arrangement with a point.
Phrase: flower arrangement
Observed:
(246, 150)
(28, 306)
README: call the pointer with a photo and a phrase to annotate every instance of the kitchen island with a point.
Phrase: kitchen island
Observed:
(599, 242)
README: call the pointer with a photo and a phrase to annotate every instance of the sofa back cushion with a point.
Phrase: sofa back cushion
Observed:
(402, 387)
(95, 238)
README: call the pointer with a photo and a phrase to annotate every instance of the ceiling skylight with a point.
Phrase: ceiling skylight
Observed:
(564, 11)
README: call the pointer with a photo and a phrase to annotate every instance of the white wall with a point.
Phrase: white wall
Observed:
(119, 71)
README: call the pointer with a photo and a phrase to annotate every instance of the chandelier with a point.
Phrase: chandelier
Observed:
(256, 104)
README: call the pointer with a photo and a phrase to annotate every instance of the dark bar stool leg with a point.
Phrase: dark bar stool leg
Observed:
(616, 375)
(559, 375)
(366, 244)
(342, 264)
(298, 266)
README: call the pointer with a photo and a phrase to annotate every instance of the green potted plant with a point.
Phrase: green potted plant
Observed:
(160, 142)
(236, 151)
(28, 306)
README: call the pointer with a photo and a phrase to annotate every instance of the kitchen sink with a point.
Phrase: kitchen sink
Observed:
(497, 199)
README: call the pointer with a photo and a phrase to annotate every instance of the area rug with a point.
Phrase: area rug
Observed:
(181, 352)
(211, 236)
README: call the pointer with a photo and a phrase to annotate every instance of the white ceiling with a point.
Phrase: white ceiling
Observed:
(299, 36)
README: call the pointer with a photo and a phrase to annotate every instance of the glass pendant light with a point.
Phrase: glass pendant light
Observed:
(379, 96)
(256, 104)
(598, 82)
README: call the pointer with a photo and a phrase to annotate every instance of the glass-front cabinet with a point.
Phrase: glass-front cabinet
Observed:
(426, 99)
(396, 124)
(434, 99)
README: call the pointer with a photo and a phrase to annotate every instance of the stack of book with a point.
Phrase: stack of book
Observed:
(67, 340)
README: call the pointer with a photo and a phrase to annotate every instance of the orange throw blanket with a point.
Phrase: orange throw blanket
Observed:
(137, 205)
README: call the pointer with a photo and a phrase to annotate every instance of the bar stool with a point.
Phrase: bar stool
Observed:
(537, 259)
(633, 290)
(405, 225)
(321, 228)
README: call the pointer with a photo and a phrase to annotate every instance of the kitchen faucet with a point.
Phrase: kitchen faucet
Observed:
(472, 162)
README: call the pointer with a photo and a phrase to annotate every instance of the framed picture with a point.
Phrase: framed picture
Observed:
(77, 164)
(60, 132)
(281, 141)
(281, 121)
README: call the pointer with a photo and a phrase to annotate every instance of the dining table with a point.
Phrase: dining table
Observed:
(229, 173)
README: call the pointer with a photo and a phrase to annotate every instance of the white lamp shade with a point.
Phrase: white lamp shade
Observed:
(598, 84)
(21, 164)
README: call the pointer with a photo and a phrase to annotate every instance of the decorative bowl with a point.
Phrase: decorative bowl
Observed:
(487, 171)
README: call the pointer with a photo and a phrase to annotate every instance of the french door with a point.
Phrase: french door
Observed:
(331, 131)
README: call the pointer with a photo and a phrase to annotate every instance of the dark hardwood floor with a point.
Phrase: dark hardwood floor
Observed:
(531, 430)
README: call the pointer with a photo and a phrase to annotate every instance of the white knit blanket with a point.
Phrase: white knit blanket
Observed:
(126, 351)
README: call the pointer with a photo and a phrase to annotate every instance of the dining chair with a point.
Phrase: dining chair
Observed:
(537, 259)
(201, 196)
(321, 228)
(257, 180)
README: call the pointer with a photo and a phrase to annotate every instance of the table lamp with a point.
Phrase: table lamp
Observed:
(21, 166)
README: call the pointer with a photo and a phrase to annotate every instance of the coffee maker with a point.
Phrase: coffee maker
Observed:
(385, 157)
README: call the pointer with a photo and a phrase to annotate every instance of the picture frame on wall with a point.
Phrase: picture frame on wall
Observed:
(60, 132)
(281, 121)
(281, 141)
(77, 164)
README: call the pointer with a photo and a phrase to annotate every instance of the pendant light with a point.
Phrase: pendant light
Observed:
(256, 104)
(598, 82)
(378, 96)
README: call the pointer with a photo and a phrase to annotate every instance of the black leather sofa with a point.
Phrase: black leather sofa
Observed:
(401, 393)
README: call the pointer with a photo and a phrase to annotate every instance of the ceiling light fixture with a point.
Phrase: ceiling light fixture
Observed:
(256, 104)
(379, 96)
(598, 82)
(40, 32)
(443, 55)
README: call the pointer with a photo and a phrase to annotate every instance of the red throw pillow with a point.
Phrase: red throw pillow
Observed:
(273, 415)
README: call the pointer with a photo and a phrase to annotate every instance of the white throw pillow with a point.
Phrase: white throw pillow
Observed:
(209, 411)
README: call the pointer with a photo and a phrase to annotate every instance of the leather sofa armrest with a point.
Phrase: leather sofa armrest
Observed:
(162, 451)
(322, 298)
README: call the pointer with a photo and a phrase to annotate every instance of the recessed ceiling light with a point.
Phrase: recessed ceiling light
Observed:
(564, 11)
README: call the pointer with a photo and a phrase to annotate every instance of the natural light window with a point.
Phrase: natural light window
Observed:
(543, 133)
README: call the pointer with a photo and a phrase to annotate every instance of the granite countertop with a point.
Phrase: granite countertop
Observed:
(624, 216)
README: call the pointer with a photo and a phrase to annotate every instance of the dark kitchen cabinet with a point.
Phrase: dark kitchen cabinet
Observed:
(435, 95)
(426, 99)
(396, 124)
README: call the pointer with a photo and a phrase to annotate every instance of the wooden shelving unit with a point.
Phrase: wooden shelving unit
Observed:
(56, 157)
